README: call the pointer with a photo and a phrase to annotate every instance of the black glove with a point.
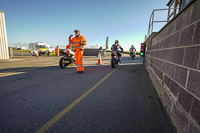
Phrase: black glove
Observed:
(70, 36)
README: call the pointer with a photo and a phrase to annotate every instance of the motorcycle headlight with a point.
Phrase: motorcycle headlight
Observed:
(113, 53)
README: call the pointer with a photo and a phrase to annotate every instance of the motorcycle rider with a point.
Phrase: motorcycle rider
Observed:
(100, 50)
(132, 49)
(115, 47)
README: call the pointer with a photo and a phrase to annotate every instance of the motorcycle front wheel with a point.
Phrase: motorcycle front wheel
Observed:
(114, 63)
(133, 56)
(63, 63)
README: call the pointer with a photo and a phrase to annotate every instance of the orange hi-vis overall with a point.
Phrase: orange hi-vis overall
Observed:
(79, 48)
(57, 51)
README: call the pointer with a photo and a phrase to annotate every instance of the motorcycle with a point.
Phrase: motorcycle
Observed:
(68, 58)
(102, 53)
(132, 55)
(114, 59)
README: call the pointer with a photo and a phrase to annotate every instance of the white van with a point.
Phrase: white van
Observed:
(51, 49)
(38, 48)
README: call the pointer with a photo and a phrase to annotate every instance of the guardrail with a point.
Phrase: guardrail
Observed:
(152, 21)
(14, 52)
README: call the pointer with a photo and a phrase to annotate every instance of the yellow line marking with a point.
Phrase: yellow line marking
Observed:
(15, 59)
(73, 104)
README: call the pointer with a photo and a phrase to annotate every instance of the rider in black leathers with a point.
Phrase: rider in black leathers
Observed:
(115, 47)
(132, 49)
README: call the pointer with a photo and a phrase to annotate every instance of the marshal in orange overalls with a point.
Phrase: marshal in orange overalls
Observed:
(78, 43)
(57, 51)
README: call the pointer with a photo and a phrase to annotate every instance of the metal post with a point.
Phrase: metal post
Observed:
(168, 14)
(175, 6)
(149, 26)
(152, 22)
(11, 52)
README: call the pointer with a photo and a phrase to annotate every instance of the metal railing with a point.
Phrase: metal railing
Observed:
(175, 6)
(152, 21)
(14, 52)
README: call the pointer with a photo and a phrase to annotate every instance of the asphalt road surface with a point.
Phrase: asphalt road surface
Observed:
(36, 95)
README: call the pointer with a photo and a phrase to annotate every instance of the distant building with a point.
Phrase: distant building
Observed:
(3, 38)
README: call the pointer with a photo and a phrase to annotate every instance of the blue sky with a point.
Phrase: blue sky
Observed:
(52, 21)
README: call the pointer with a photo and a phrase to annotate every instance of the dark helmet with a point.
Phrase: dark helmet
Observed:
(76, 31)
(116, 41)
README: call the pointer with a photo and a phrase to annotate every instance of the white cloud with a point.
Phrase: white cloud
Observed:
(19, 44)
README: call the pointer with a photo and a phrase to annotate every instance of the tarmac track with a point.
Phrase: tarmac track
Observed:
(38, 96)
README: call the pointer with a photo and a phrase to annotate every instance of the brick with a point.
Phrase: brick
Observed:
(191, 57)
(171, 28)
(197, 34)
(159, 88)
(185, 100)
(154, 68)
(181, 75)
(160, 44)
(166, 42)
(156, 83)
(152, 47)
(195, 112)
(167, 81)
(156, 46)
(194, 83)
(159, 73)
(174, 40)
(154, 61)
(162, 66)
(151, 58)
(186, 36)
(199, 63)
(161, 35)
(177, 55)
(160, 54)
(193, 129)
(196, 12)
(154, 40)
(170, 70)
(180, 119)
(156, 54)
(167, 100)
(174, 88)
(183, 19)
(152, 53)
(167, 55)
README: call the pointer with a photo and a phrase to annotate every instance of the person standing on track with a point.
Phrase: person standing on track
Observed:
(57, 51)
(78, 43)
